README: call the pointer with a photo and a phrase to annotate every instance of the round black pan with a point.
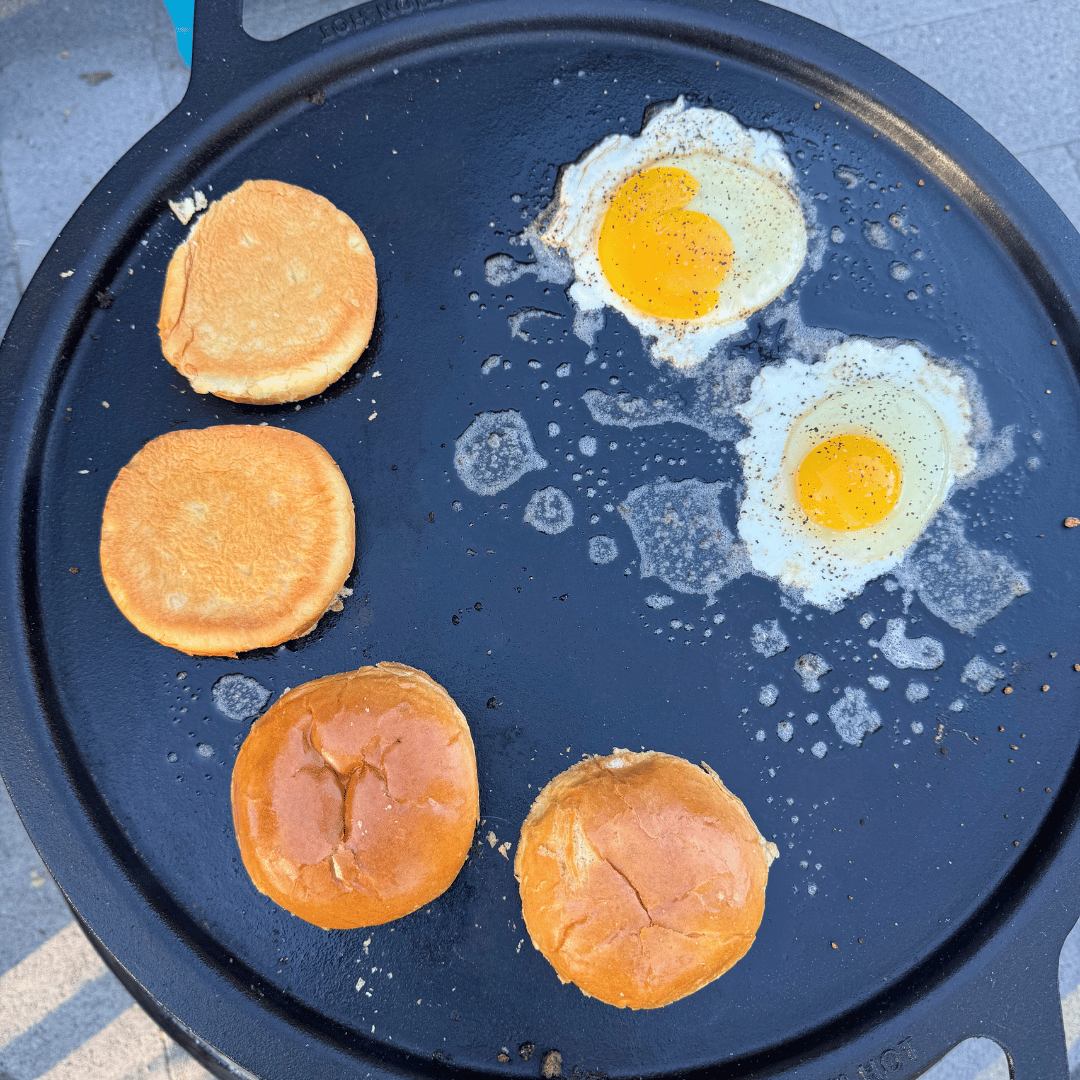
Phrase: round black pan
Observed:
(925, 881)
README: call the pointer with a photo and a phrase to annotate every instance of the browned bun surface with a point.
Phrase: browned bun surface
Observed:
(355, 797)
(228, 538)
(642, 877)
(271, 298)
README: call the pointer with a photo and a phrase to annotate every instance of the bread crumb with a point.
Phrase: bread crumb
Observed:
(551, 1066)
(1072, 522)
(186, 208)
(504, 847)
(492, 839)
(66, 273)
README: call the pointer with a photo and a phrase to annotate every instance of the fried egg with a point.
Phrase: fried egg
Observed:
(686, 229)
(846, 462)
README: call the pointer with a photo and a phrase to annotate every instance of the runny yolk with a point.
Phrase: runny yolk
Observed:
(659, 256)
(848, 482)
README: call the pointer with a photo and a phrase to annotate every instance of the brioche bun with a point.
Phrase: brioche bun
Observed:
(642, 877)
(271, 298)
(229, 538)
(355, 798)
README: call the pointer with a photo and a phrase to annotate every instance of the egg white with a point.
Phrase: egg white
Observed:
(746, 184)
(898, 395)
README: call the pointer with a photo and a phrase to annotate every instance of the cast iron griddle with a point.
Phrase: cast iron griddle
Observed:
(926, 881)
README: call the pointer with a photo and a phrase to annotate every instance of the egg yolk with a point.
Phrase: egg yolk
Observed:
(848, 482)
(657, 255)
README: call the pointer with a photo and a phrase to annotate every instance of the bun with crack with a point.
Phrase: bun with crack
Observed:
(642, 877)
(271, 298)
(229, 538)
(355, 797)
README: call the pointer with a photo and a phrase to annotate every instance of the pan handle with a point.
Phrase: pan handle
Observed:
(217, 35)
(1012, 996)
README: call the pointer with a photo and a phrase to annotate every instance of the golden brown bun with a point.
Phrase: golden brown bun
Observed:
(642, 877)
(355, 797)
(229, 538)
(271, 298)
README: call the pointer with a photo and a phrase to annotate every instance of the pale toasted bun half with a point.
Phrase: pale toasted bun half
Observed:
(229, 538)
(271, 298)
(642, 877)
(355, 796)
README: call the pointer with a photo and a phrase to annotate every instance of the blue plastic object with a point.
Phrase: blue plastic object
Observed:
(181, 12)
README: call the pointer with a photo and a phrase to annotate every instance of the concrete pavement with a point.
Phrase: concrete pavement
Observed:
(80, 83)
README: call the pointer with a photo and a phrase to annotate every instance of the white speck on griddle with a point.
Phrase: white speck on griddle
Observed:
(982, 673)
(916, 727)
(603, 549)
(490, 364)
(681, 536)
(658, 601)
(204, 750)
(517, 322)
(587, 446)
(853, 717)
(924, 653)
(239, 697)
(866, 620)
(875, 234)
(784, 731)
(768, 639)
(768, 694)
(956, 706)
(917, 691)
(956, 581)
(495, 451)
(811, 668)
(819, 750)
(550, 511)
(878, 682)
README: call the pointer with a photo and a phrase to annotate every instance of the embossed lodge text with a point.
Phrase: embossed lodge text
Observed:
(374, 14)
(888, 1063)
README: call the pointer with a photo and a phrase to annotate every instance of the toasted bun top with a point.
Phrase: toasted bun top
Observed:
(228, 538)
(355, 796)
(642, 877)
(271, 298)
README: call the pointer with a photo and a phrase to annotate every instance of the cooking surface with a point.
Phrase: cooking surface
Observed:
(549, 655)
